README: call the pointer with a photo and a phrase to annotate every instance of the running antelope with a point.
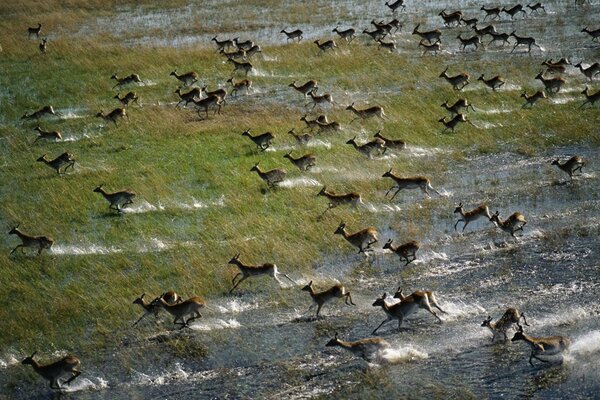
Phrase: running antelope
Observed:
(335, 200)
(471, 22)
(420, 182)
(532, 99)
(474, 40)
(327, 45)
(221, 93)
(452, 18)
(43, 46)
(253, 50)
(222, 44)
(535, 7)
(127, 99)
(126, 80)
(458, 106)
(589, 72)
(270, 177)
(570, 166)
(493, 12)
(328, 126)
(46, 110)
(320, 298)
(189, 96)
(308, 87)
(346, 34)
(247, 270)
(404, 308)
(428, 35)
(390, 46)
(552, 84)
(362, 239)
(374, 146)
(510, 317)
(521, 40)
(295, 34)
(376, 34)
(42, 134)
(153, 307)
(262, 141)
(387, 26)
(544, 346)
(404, 251)
(368, 349)
(512, 224)
(204, 104)
(553, 68)
(65, 160)
(246, 45)
(458, 82)
(395, 5)
(301, 138)
(514, 11)
(191, 307)
(313, 123)
(375, 111)
(234, 54)
(430, 297)
(66, 366)
(41, 242)
(243, 84)
(473, 215)
(244, 66)
(590, 98)
(494, 83)
(319, 99)
(499, 37)
(117, 200)
(430, 48)
(595, 34)
(392, 144)
(34, 31)
(189, 78)
(303, 163)
(486, 30)
(451, 124)
(113, 116)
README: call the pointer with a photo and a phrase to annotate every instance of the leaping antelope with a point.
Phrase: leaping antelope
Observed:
(313, 123)
(595, 34)
(473, 215)
(113, 116)
(452, 123)
(453, 17)
(222, 44)
(191, 307)
(553, 68)
(374, 146)
(295, 34)
(319, 99)
(41, 242)
(335, 200)
(375, 111)
(514, 10)
(346, 34)
(65, 160)
(126, 80)
(362, 239)
(392, 144)
(271, 177)
(552, 85)
(395, 5)
(470, 22)
(66, 366)
(493, 83)
(499, 37)
(189, 96)
(428, 35)
(521, 40)
(404, 251)
(376, 34)
(305, 89)
(591, 71)
(510, 317)
(570, 166)
(367, 348)
(327, 45)
(211, 100)
(43, 134)
(430, 297)
(244, 66)
(419, 182)
(189, 78)
(243, 84)
(474, 40)
(46, 110)
(130, 97)
(532, 99)
(390, 46)
(590, 97)
(404, 308)
(512, 224)
(262, 141)
(430, 48)
(486, 30)
(493, 12)
(34, 31)
(117, 200)
(303, 163)
(332, 126)
(301, 138)
(246, 45)
(458, 82)
(247, 270)
(544, 346)
(458, 106)
(153, 307)
(535, 7)
(320, 298)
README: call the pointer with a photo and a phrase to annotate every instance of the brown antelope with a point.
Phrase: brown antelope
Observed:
(117, 200)
(253, 50)
(328, 126)
(301, 139)
(471, 22)
(320, 298)
(552, 85)
(335, 200)
(243, 84)
(473, 215)
(65, 160)
(510, 317)
(308, 87)
(319, 99)
(420, 182)
(127, 99)
(234, 54)
(553, 68)
(428, 35)
(512, 224)
(486, 30)
(346, 34)
(246, 45)
(376, 34)
(390, 46)
(404, 308)
(472, 41)
(493, 12)
(247, 270)
(189, 78)
(392, 144)
(494, 83)
(375, 111)
(221, 93)
(262, 141)
(41, 242)
(430, 48)
(126, 80)
(204, 104)
(514, 11)
(327, 45)
(458, 106)
(188, 97)
(430, 297)
(544, 346)
(153, 307)
(113, 116)
(535, 7)
(50, 135)
(222, 44)
(452, 18)
(43, 46)
(387, 26)
(595, 34)
(374, 146)
(563, 61)
(367, 349)
(458, 82)
(362, 239)
(570, 166)
(312, 123)
(66, 366)
(270, 177)
(404, 251)
(395, 5)
(303, 163)
(589, 72)
(244, 66)
(46, 110)
(451, 124)
(295, 34)
(499, 37)
(521, 40)
(590, 97)
(191, 307)
(532, 99)
(34, 31)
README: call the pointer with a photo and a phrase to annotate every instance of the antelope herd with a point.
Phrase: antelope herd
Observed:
(186, 311)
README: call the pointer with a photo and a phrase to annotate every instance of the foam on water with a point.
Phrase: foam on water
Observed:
(459, 310)
(570, 316)
(299, 182)
(401, 354)
(141, 207)
(379, 208)
(587, 344)
(429, 256)
(83, 249)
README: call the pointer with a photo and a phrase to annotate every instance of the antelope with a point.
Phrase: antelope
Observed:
(303, 163)
(590, 71)
(451, 124)
(590, 98)
(376, 34)
(472, 41)
(453, 17)
(113, 116)
(253, 50)
(552, 67)
(362, 239)
(189, 78)
(471, 22)
(328, 126)
(374, 146)
(301, 139)
(320, 298)
(552, 83)
(461, 79)
(312, 123)
(305, 89)
(429, 294)
(493, 83)
(595, 34)
(117, 200)
(126, 80)
(493, 12)
(327, 45)
(34, 31)
(395, 5)
(511, 316)
(535, 7)
(570, 166)
(473, 215)
(243, 45)
(222, 44)
(404, 308)
(191, 306)
(367, 349)
(247, 270)
(394, 23)
(486, 30)
(390, 46)
(404, 251)
(499, 37)
(386, 26)
(41, 242)
(532, 99)
(243, 84)
(319, 99)
(545, 346)
(335, 200)
(66, 366)
(563, 61)
(375, 111)
(42, 134)
(457, 106)
(392, 144)
(46, 110)
(346, 34)
(262, 141)
(512, 224)
(64, 160)
(234, 55)
(221, 93)
(152, 307)
(428, 35)
(43, 46)
(514, 10)
(295, 34)
(528, 41)
(430, 48)
(128, 98)
(207, 102)
(246, 67)
(270, 177)
(189, 96)
(415, 182)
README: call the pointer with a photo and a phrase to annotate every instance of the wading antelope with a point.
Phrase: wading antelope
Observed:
(362, 239)
(430, 36)
(117, 200)
(66, 366)
(42, 134)
(367, 349)
(308, 87)
(395, 5)
(457, 106)
(404, 251)
(531, 100)
(404, 308)
(511, 316)
(34, 31)
(390, 46)
(552, 85)
(346, 34)
(262, 141)
(375, 111)
(295, 34)
(153, 307)
(590, 98)
(41, 242)
(458, 82)
(451, 124)
(452, 18)
(222, 44)
(374, 146)
(204, 104)
(113, 116)
(191, 307)
(243, 84)
(499, 37)
(245, 67)
(493, 83)
(589, 72)
(514, 10)
(303, 163)
(595, 34)
(570, 166)
(535, 7)
(430, 48)
(65, 160)
(327, 45)
(335, 200)
(528, 41)
(392, 144)
(430, 297)
(486, 30)
(127, 99)
(319, 99)
(545, 346)
(247, 270)
(126, 80)
(189, 78)
(493, 12)
(320, 298)
(270, 177)
(553, 68)
(43, 46)
(470, 216)
(512, 224)
(472, 41)
(188, 97)
(46, 110)
(301, 138)
(419, 182)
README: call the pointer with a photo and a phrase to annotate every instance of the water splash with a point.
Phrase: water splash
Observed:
(586, 344)
(300, 182)
(141, 207)
(216, 324)
(83, 249)
(401, 354)
(82, 384)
